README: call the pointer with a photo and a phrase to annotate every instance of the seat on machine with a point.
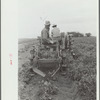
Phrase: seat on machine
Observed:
(50, 45)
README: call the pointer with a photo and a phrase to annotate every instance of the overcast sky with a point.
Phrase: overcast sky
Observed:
(69, 15)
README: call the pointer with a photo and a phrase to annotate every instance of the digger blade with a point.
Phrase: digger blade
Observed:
(39, 72)
(55, 71)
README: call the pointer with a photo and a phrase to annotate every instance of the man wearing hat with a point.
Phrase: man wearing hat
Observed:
(45, 34)
(55, 32)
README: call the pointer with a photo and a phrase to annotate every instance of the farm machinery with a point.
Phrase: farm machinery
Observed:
(47, 60)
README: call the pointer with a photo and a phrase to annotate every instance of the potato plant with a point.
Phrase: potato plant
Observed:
(83, 69)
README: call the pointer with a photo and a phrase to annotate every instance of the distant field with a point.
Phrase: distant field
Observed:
(26, 40)
(89, 40)
(92, 39)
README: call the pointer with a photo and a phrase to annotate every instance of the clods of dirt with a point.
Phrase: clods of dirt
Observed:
(46, 90)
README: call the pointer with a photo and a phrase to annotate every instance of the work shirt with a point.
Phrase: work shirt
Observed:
(55, 32)
(45, 33)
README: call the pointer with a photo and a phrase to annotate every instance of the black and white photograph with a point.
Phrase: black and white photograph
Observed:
(57, 49)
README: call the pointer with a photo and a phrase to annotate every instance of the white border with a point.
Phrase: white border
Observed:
(9, 44)
(97, 50)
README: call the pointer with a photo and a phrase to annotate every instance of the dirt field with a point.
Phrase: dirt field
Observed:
(29, 82)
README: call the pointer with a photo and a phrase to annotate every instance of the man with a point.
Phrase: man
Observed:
(46, 40)
(56, 36)
(55, 33)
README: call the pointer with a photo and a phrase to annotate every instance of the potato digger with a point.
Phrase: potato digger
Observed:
(47, 60)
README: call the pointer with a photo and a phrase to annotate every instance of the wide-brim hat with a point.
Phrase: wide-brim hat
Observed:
(47, 23)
